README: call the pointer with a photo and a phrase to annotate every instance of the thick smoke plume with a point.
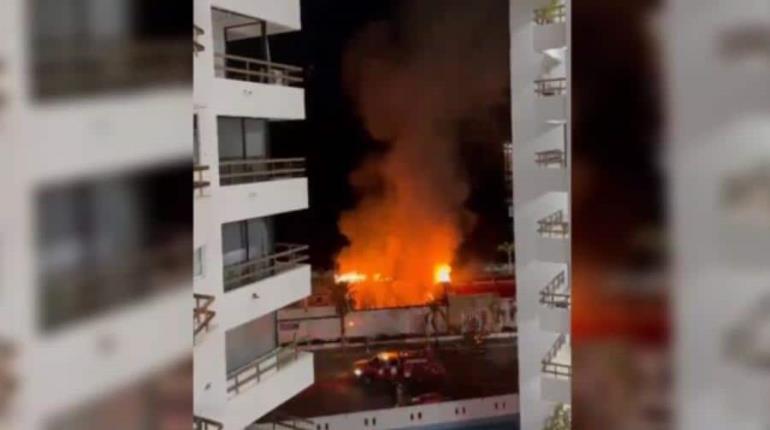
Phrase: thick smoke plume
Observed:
(413, 80)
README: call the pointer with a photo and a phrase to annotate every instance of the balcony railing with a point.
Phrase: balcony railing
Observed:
(202, 315)
(284, 421)
(63, 67)
(550, 366)
(255, 70)
(549, 87)
(199, 181)
(551, 14)
(233, 172)
(200, 423)
(87, 289)
(257, 369)
(197, 46)
(553, 225)
(288, 257)
(552, 157)
(556, 293)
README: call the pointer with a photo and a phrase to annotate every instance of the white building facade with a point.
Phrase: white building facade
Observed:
(75, 331)
(243, 274)
(717, 159)
(540, 83)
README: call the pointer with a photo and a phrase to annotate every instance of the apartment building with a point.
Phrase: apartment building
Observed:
(717, 161)
(94, 263)
(539, 32)
(243, 271)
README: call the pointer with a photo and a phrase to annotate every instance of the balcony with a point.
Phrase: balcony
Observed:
(201, 423)
(262, 367)
(197, 46)
(554, 315)
(261, 386)
(553, 226)
(199, 180)
(556, 294)
(248, 69)
(556, 369)
(551, 103)
(202, 314)
(551, 14)
(85, 291)
(550, 29)
(288, 257)
(553, 158)
(253, 170)
(64, 67)
(549, 87)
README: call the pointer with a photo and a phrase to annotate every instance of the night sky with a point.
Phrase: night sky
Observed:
(334, 140)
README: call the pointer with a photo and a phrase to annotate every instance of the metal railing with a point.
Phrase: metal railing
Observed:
(553, 296)
(86, 289)
(201, 423)
(288, 257)
(202, 315)
(199, 181)
(233, 172)
(549, 367)
(283, 421)
(255, 70)
(63, 67)
(550, 157)
(553, 225)
(197, 46)
(256, 370)
(551, 14)
(548, 87)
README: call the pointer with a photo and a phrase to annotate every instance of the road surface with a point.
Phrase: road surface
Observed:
(493, 371)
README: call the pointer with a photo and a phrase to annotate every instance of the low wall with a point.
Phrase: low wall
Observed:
(322, 323)
(458, 413)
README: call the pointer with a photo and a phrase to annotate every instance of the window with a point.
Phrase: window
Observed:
(198, 262)
(250, 341)
(242, 138)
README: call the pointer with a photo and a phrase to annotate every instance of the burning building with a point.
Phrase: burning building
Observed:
(412, 87)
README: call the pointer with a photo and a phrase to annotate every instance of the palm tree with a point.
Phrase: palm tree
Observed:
(434, 311)
(343, 304)
(509, 248)
(551, 9)
(561, 419)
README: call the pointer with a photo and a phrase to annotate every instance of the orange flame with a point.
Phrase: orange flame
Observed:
(442, 274)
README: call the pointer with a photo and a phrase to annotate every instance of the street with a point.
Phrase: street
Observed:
(479, 373)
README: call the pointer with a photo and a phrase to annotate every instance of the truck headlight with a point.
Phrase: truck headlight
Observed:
(357, 372)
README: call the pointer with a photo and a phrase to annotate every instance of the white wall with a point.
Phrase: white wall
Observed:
(533, 130)
(323, 323)
(283, 12)
(259, 199)
(104, 353)
(257, 100)
(550, 36)
(719, 126)
(252, 301)
(420, 416)
(109, 134)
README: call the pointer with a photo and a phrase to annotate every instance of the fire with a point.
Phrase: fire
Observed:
(442, 274)
(350, 277)
(375, 290)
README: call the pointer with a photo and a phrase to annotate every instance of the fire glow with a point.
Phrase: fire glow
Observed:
(377, 290)
(412, 94)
